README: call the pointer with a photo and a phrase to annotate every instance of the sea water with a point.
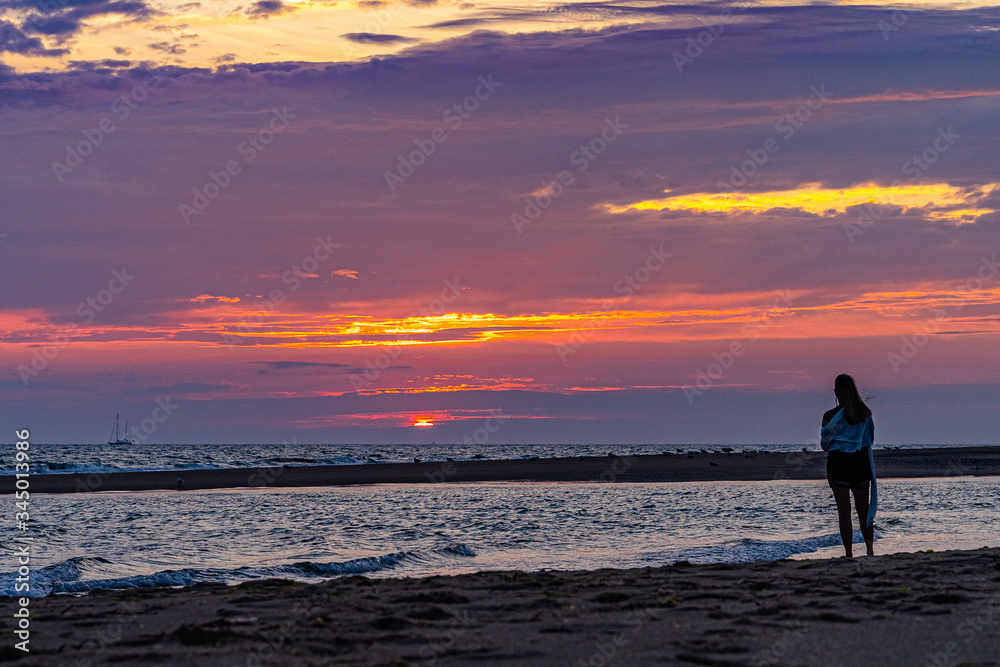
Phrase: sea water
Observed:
(55, 458)
(121, 540)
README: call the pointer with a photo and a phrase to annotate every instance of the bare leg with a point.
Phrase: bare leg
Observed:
(861, 505)
(842, 495)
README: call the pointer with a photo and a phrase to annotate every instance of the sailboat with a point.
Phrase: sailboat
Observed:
(118, 440)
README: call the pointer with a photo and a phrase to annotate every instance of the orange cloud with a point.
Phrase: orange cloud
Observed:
(203, 298)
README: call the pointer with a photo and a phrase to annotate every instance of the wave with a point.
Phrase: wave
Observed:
(458, 550)
(76, 575)
(70, 576)
(748, 550)
(49, 468)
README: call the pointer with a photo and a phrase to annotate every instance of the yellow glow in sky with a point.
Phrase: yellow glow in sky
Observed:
(942, 201)
(216, 32)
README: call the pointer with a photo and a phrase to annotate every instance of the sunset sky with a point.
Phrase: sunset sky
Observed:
(613, 222)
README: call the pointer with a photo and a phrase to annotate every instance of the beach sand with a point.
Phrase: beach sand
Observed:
(900, 609)
(901, 463)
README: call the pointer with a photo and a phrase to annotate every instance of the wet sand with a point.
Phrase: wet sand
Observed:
(900, 609)
(901, 463)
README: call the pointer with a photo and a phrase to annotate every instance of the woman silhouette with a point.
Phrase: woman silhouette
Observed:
(847, 435)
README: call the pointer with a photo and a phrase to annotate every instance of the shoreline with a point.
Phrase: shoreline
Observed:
(898, 609)
(896, 463)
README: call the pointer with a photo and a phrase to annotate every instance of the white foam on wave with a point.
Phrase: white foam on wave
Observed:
(458, 550)
(70, 576)
(749, 550)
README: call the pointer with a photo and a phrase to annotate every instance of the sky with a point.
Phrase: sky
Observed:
(390, 221)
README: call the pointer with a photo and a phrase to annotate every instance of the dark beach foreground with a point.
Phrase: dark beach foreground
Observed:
(898, 463)
(902, 609)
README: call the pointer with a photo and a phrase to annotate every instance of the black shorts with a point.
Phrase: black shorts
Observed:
(848, 468)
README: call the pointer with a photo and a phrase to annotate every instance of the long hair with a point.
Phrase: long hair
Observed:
(855, 410)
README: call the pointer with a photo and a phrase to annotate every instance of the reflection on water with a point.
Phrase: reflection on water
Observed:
(168, 538)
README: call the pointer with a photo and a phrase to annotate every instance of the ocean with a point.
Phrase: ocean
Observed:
(116, 540)
(115, 458)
